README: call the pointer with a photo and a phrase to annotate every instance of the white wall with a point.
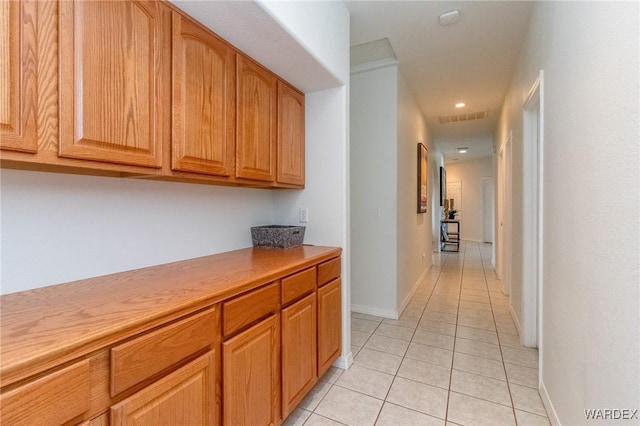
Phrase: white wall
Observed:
(414, 230)
(58, 228)
(374, 173)
(469, 174)
(387, 256)
(590, 337)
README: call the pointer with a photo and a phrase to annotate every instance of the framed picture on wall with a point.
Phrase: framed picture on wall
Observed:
(422, 178)
(443, 185)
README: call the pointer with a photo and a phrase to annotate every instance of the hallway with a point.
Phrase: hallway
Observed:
(453, 356)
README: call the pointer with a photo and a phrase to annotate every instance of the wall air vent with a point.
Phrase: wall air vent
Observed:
(459, 118)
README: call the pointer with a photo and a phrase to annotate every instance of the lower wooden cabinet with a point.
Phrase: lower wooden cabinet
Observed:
(184, 397)
(329, 325)
(299, 372)
(251, 375)
(248, 358)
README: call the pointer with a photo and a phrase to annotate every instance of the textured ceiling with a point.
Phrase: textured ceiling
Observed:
(471, 61)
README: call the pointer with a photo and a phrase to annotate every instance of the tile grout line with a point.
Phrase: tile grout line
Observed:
(455, 336)
(504, 367)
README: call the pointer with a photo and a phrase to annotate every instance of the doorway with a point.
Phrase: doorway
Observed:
(532, 214)
(487, 209)
(503, 225)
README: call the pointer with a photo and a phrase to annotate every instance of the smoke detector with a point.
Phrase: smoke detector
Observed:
(448, 18)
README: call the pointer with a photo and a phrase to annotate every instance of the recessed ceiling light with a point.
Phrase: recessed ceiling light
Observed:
(460, 105)
(463, 149)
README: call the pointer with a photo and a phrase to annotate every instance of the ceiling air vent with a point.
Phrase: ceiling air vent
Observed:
(459, 118)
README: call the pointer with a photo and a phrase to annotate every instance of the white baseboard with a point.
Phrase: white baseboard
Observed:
(344, 361)
(413, 290)
(551, 411)
(369, 310)
(514, 317)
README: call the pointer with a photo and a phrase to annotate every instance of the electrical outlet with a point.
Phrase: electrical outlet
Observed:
(303, 214)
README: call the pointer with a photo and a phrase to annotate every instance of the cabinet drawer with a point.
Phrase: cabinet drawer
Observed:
(53, 399)
(328, 271)
(246, 309)
(298, 285)
(141, 358)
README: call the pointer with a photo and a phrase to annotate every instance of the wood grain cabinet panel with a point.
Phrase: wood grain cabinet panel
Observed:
(51, 400)
(184, 397)
(290, 164)
(18, 75)
(248, 308)
(204, 83)
(141, 358)
(114, 80)
(299, 373)
(256, 121)
(251, 376)
(329, 325)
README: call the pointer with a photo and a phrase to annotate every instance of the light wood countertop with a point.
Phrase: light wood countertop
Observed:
(43, 327)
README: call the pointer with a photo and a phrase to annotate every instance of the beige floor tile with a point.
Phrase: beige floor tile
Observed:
(521, 356)
(332, 374)
(387, 344)
(474, 298)
(528, 419)
(437, 327)
(403, 322)
(395, 415)
(355, 350)
(475, 305)
(509, 340)
(482, 324)
(416, 305)
(430, 354)
(443, 308)
(366, 317)
(480, 387)
(363, 325)
(297, 418)
(506, 328)
(424, 372)
(486, 336)
(477, 365)
(366, 381)
(349, 407)
(433, 339)
(418, 396)
(527, 399)
(411, 313)
(313, 398)
(401, 333)
(470, 411)
(316, 420)
(379, 361)
(481, 349)
(358, 338)
(439, 316)
(521, 375)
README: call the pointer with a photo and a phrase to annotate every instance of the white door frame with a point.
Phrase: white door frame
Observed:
(533, 134)
(503, 217)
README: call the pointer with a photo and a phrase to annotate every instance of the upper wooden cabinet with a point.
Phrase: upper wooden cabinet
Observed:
(256, 121)
(18, 83)
(114, 78)
(290, 135)
(203, 100)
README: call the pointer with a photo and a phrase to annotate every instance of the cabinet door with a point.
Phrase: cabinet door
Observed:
(256, 131)
(18, 84)
(114, 63)
(184, 397)
(251, 376)
(290, 135)
(299, 372)
(204, 83)
(329, 325)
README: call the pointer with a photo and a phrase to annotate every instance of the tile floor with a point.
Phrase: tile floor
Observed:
(452, 358)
